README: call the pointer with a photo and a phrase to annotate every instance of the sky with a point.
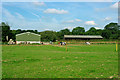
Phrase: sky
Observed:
(56, 16)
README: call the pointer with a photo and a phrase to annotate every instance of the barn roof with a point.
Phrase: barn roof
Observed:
(83, 36)
(26, 33)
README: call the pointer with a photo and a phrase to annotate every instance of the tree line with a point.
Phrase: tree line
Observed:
(110, 31)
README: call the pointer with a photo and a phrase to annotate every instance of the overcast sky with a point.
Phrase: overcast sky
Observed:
(59, 15)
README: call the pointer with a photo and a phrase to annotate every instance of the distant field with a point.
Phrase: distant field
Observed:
(48, 61)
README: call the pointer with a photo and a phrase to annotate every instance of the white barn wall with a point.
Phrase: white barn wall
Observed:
(31, 42)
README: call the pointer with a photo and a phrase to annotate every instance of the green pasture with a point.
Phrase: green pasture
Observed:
(52, 61)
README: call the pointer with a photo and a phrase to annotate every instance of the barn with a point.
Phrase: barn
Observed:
(28, 38)
(82, 37)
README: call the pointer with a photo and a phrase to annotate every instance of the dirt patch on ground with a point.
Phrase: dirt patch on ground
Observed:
(70, 52)
(59, 45)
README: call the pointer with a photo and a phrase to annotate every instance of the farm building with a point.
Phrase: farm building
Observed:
(82, 37)
(28, 37)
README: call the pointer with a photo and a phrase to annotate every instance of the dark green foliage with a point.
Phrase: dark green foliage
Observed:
(63, 32)
(112, 26)
(99, 32)
(5, 31)
(91, 31)
(22, 31)
(111, 31)
(114, 36)
(119, 33)
(78, 31)
(106, 34)
(48, 36)
(12, 34)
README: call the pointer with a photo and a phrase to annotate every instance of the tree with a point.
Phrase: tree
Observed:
(13, 35)
(36, 31)
(99, 32)
(18, 31)
(48, 36)
(106, 34)
(91, 31)
(78, 31)
(113, 28)
(63, 32)
(119, 34)
(5, 31)
(114, 36)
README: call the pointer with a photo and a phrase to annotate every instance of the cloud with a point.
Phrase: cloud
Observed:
(114, 6)
(98, 28)
(35, 15)
(55, 11)
(12, 17)
(109, 8)
(70, 28)
(15, 20)
(78, 20)
(69, 21)
(72, 21)
(47, 29)
(39, 3)
(7, 14)
(16, 23)
(19, 16)
(90, 23)
(107, 19)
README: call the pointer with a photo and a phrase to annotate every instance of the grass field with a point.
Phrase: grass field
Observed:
(48, 61)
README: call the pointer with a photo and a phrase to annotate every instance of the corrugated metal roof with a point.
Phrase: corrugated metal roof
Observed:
(82, 36)
(26, 33)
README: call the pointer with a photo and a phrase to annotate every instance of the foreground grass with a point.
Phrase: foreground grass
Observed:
(49, 61)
